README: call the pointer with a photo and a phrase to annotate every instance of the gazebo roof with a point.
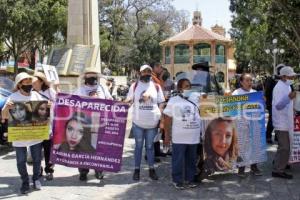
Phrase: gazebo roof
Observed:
(195, 33)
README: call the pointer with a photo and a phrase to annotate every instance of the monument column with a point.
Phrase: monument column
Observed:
(83, 25)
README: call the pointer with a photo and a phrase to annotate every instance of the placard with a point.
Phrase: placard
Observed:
(29, 121)
(234, 131)
(88, 132)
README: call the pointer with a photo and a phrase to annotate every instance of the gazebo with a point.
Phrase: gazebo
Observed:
(198, 44)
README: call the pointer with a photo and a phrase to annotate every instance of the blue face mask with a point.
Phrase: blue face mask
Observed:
(187, 93)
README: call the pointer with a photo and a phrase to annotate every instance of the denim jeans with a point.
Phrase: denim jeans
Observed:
(21, 156)
(141, 135)
(46, 144)
(184, 157)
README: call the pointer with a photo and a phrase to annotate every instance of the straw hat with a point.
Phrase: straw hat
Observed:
(42, 76)
(20, 77)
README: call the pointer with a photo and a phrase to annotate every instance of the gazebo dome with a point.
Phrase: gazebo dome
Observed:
(195, 33)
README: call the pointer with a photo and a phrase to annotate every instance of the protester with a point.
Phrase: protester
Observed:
(270, 83)
(157, 70)
(182, 121)
(146, 97)
(168, 87)
(23, 92)
(283, 120)
(246, 88)
(92, 88)
(168, 84)
(78, 134)
(220, 146)
(42, 86)
(110, 84)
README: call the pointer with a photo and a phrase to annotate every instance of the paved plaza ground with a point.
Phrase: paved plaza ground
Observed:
(121, 186)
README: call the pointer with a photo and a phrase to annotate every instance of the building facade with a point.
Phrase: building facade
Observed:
(198, 44)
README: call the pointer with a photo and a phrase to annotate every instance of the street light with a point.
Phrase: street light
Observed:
(273, 51)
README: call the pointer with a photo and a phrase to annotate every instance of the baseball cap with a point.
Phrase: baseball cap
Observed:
(144, 67)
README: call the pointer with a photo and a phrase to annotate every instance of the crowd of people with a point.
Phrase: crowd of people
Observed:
(155, 112)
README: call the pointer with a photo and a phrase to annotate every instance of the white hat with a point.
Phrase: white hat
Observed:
(287, 71)
(143, 67)
(21, 76)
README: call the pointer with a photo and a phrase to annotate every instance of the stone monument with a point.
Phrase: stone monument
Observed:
(83, 26)
(83, 44)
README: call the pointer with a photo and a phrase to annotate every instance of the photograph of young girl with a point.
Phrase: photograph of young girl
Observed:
(220, 145)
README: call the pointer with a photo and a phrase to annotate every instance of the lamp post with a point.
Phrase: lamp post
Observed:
(273, 51)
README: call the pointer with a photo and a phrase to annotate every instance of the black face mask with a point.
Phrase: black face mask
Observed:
(165, 77)
(91, 81)
(145, 78)
(26, 88)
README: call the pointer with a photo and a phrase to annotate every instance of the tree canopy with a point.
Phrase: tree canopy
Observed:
(31, 24)
(256, 23)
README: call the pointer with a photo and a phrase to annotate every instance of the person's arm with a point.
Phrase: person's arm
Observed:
(5, 110)
(282, 100)
(167, 127)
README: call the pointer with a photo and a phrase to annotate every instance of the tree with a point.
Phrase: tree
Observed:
(30, 24)
(256, 22)
(148, 23)
(130, 31)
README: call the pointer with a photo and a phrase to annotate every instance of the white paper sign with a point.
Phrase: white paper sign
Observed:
(51, 73)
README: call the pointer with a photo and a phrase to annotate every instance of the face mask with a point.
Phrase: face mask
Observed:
(91, 81)
(26, 88)
(289, 82)
(187, 93)
(145, 78)
(165, 77)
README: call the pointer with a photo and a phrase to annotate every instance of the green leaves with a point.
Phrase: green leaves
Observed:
(32, 24)
(256, 23)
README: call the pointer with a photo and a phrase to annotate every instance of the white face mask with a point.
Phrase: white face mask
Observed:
(289, 82)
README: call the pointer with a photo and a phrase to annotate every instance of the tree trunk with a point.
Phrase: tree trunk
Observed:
(32, 58)
(16, 57)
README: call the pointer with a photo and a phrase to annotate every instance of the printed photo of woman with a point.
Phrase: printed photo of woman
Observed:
(21, 113)
(78, 134)
(41, 111)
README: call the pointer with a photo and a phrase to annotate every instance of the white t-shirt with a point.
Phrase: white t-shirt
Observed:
(146, 114)
(50, 93)
(186, 123)
(241, 91)
(17, 96)
(101, 91)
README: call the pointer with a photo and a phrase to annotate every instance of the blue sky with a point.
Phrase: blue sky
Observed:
(213, 11)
